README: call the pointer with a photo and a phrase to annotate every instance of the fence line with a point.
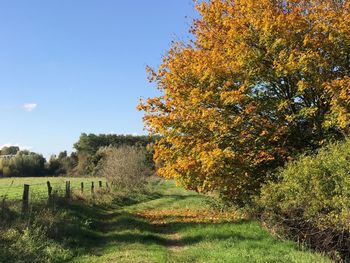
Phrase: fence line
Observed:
(29, 194)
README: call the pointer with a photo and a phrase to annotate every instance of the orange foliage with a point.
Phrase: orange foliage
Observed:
(262, 81)
(190, 216)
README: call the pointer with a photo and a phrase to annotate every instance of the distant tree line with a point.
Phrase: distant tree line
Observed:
(91, 143)
(21, 163)
(84, 161)
(90, 149)
(9, 150)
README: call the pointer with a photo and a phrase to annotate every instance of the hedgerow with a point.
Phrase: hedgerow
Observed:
(310, 201)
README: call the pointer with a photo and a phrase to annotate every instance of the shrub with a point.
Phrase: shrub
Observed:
(126, 167)
(311, 199)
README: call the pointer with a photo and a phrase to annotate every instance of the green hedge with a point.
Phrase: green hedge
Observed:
(311, 200)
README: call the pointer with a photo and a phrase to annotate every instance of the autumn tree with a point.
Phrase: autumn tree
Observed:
(261, 81)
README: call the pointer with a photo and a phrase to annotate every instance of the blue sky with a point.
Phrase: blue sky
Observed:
(73, 66)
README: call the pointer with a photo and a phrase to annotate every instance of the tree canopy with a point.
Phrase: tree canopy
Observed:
(91, 143)
(261, 82)
(88, 149)
(24, 163)
(9, 150)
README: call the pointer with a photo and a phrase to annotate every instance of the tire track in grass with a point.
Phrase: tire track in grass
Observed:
(175, 245)
(166, 220)
(174, 227)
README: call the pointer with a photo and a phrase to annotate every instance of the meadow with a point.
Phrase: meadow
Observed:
(12, 188)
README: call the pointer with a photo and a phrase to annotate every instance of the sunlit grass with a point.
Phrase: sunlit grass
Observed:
(12, 188)
(164, 224)
(174, 225)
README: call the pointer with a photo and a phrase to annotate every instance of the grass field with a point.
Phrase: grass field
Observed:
(174, 225)
(165, 224)
(12, 188)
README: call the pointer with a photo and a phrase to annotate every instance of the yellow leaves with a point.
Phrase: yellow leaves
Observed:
(284, 104)
(191, 216)
(213, 126)
(234, 96)
(186, 163)
(339, 89)
(279, 43)
(302, 85)
(309, 112)
(212, 160)
(254, 78)
(264, 133)
(263, 157)
(307, 40)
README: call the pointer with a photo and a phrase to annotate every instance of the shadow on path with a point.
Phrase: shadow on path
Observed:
(97, 228)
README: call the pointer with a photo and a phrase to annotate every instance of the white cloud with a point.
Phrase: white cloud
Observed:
(29, 106)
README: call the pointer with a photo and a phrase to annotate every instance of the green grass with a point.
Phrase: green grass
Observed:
(12, 188)
(165, 224)
(162, 227)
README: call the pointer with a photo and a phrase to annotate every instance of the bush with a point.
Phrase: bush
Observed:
(311, 200)
(126, 167)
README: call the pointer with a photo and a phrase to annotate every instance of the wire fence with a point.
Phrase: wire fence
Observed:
(48, 192)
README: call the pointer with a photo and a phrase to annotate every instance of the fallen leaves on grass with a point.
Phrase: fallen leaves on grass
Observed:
(166, 216)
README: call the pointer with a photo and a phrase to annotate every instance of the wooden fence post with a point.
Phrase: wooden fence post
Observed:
(49, 192)
(49, 188)
(67, 190)
(3, 205)
(25, 199)
(54, 195)
(92, 188)
(82, 187)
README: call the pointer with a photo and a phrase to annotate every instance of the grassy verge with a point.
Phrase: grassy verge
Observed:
(167, 224)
